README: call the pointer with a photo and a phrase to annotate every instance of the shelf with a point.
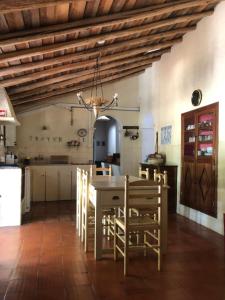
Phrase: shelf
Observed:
(205, 128)
(205, 142)
(189, 130)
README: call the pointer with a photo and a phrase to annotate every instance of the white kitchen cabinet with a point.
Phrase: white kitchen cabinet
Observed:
(65, 183)
(38, 175)
(10, 196)
(52, 183)
(10, 135)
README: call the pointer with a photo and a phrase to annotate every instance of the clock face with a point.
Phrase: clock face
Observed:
(196, 97)
(82, 132)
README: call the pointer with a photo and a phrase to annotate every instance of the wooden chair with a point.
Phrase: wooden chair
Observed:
(108, 214)
(143, 173)
(139, 194)
(87, 211)
(103, 170)
(79, 201)
(161, 177)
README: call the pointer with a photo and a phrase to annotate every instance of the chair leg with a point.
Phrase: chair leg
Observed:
(115, 242)
(125, 266)
(86, 233)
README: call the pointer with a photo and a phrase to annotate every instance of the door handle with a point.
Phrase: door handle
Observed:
(115, 198)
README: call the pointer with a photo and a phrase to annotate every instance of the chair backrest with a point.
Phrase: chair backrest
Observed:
(144, 173)
(106, 171)
(141, 194)
(161, 177)
(85, 187)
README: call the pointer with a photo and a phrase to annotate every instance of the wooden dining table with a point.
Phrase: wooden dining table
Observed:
(108, 192)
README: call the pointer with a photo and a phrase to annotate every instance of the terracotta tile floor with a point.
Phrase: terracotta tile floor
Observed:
(44, 259)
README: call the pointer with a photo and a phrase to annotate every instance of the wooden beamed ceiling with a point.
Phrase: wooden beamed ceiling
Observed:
(49, 48)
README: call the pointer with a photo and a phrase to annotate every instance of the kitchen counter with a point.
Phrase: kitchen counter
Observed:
(55, 164)
(8, 166)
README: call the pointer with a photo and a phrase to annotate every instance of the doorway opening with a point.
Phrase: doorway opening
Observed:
(106, 143)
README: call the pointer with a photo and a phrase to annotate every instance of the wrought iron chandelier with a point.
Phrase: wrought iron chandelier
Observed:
(96, 102)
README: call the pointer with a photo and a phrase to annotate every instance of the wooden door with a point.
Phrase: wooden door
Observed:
(188, 184)
(206, 188)
(199, 159)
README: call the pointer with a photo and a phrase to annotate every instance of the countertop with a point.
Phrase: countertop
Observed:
(8, 166)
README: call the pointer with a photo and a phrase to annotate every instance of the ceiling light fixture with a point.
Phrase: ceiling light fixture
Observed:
(149, 51)
(96, 102)
(102, 42)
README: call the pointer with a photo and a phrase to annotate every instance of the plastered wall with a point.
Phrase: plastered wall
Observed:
(33, 141)
(196, 63)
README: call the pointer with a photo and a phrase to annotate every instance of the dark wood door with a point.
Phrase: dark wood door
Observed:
(188, 187)
(199, 159)
(206, 188)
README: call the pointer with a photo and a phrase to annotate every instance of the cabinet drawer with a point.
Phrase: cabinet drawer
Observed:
(112, 198)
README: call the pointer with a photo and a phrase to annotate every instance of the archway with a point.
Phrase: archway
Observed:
(106, 143)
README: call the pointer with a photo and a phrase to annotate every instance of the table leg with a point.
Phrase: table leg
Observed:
(164, 220)
(98, 227)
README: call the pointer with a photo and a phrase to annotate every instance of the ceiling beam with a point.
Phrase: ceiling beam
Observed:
(9, 6)
(21, 54)
(41, 84)
(122, 58)
(83, 76)
(79, 87)
(93, 52)
(12, 39)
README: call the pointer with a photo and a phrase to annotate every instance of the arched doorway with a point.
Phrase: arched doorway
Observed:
(106, 143)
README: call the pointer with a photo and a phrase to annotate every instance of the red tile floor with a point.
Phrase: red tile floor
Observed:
(44, 259)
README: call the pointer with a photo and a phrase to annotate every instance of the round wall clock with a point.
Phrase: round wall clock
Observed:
(82, 132)
(196, 97)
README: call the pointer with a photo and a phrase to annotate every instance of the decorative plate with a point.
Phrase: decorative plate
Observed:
(82, 132)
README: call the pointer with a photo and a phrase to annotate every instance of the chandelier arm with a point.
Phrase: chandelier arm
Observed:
(87, 106)
(105, 107)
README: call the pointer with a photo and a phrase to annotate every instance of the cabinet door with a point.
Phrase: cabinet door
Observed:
(10, 198)
(206, 188)
(65, 183)
(52, 183)
(38, 183)
(188, 185)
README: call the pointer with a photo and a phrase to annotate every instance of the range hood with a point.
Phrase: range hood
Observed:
(7, 114)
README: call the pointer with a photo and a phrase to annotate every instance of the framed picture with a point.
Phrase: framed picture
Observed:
(166, 133)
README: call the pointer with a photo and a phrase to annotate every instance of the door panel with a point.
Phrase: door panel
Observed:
(206, 188)
(38, 184)
(52, 183)
(188, 184)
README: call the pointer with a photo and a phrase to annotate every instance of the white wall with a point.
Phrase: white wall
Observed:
(112, 137)
(33, 141)
(196, 63)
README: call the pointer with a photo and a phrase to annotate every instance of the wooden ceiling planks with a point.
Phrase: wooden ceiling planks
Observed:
(42, 45)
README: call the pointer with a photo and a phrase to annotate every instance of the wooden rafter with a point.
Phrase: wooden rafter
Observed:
(89, 53)
(83, 42)
(82, 76)
(9, 6)
(79, 87)
(122, 58)
(97, 23)
(46, 82)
